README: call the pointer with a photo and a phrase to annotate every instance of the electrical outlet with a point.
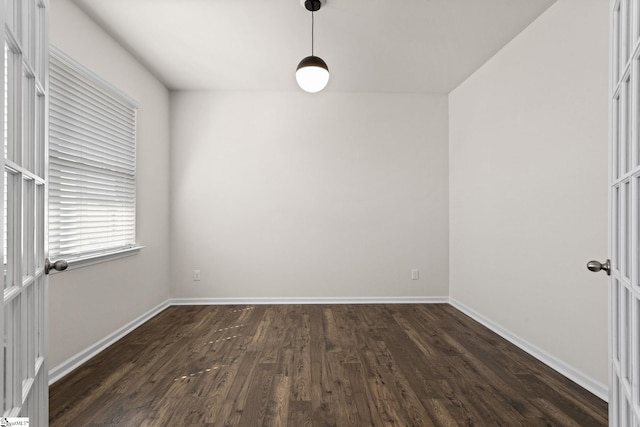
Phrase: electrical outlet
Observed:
(196, 275)
(415, 274)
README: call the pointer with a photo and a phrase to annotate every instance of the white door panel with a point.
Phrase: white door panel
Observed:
(23, 312)
(624, 179)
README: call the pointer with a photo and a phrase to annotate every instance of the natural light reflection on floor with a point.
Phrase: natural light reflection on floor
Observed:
(227, 338)
(223, 339)
(204, 371)
(241, 309)
(230, 327)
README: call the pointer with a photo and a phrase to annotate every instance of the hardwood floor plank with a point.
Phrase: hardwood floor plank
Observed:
(558, 389)
(300, 414)
(388, 407)
(384, 369)
(342, 391)
(500, 386)
(556, 416)
(315, 366)
(301, 367)
(322, 406)
(368, 414)
(258, 409)
(233, 406)
(279, 402)
(437, 409)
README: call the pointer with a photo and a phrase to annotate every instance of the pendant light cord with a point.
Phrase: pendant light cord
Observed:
(312, 22)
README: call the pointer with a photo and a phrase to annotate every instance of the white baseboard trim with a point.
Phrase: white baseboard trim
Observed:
(595, 387)
(307, 300)
(72, 363)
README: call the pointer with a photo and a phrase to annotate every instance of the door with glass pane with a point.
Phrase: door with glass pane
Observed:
(23, 312)
(624, 188)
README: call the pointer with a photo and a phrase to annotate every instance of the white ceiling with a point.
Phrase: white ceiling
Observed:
(369, 45)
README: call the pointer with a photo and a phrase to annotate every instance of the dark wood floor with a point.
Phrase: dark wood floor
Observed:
(318, 365)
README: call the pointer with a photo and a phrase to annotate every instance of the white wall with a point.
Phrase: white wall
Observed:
(528, 186)
(90, 303)
(298, 195)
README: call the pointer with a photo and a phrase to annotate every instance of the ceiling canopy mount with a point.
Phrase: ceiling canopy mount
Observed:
(313, 5)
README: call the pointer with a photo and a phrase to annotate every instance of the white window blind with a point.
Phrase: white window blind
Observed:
(92, 163)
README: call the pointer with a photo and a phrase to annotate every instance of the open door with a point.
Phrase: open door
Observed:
(23, 312)
(624, 221)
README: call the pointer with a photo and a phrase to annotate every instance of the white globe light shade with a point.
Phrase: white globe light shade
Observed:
(312, 74)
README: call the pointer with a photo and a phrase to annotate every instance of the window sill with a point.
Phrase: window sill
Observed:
(92, 259)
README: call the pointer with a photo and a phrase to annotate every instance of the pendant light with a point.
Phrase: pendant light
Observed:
(312, 73)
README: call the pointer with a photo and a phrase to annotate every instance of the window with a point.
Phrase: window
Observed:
(92, 165)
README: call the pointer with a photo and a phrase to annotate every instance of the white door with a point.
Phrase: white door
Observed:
(624, 188)
(23, 312)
